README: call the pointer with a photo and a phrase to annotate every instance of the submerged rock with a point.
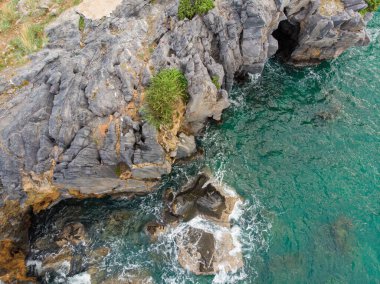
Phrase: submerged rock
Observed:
(341, 233)
(71, 234)
(154, 230)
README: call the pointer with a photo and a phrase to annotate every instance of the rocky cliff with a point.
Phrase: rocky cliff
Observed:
(70, 119)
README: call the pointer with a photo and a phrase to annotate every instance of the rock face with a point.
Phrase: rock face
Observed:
(186, 146)
(319, 30)
(74, 108)
(69, 120)
(68, 254)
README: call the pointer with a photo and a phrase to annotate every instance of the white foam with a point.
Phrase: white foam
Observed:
(253, 78)
(238, 211)
(36, 263)
(82, 278)
(64, 269)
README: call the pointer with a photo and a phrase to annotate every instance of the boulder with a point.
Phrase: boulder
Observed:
(205, 252)
(199, 215)
(204, 197)
(186, 146)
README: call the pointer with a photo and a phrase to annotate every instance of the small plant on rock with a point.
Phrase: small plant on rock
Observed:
(215, 81)
(373, 6)
(167, 90)
(8, 15)
(81, 24)
(190, 8)
(31, 39)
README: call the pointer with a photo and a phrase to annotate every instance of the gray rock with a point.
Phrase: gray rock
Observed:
(72, 105)
(325, 33)
(108, 153)
(151, 171)
(186, 146)
(202, 208)
(355, 5)
(148, 149)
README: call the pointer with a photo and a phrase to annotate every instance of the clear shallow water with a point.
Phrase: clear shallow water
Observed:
(302, 146)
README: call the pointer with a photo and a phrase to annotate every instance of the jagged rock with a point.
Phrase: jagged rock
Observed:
(205, 197)
(200, 213)
(148, 149)
(74, 88)
(151, 171)
(355, 5)
(186, 146)
(196, 251)
(205, 253)
(324, 30)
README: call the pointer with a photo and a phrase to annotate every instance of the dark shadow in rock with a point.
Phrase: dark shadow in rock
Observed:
(287, 37)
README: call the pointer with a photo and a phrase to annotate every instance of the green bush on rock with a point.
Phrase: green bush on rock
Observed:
(373, 6)
(190, 8)
(215, 81)
(166, 90)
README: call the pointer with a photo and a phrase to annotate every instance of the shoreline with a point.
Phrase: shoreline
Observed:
(68, 138)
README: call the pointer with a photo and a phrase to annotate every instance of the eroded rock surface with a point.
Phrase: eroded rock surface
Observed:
(77, 103)
(321, 30)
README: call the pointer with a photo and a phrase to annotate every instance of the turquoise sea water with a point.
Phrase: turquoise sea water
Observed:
(302, 146)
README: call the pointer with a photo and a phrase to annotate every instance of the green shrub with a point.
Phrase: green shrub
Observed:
(82, 24)
(8, 15)
(31, 39)
(190, 8)
(163, 95)
(373, 6)
(215, 81)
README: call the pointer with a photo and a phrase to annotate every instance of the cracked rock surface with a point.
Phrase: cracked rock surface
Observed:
(75, 106)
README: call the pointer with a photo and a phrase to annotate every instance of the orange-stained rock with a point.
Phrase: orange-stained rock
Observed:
(12, 263)
(14, 225)
(40, 189)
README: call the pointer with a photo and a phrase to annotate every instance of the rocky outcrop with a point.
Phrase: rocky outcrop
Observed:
(314, 31)
(74, 109)
(68, 254)
(199, 216)
(70, 125)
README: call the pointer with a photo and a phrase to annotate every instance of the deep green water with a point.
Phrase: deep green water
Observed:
(302, 146)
